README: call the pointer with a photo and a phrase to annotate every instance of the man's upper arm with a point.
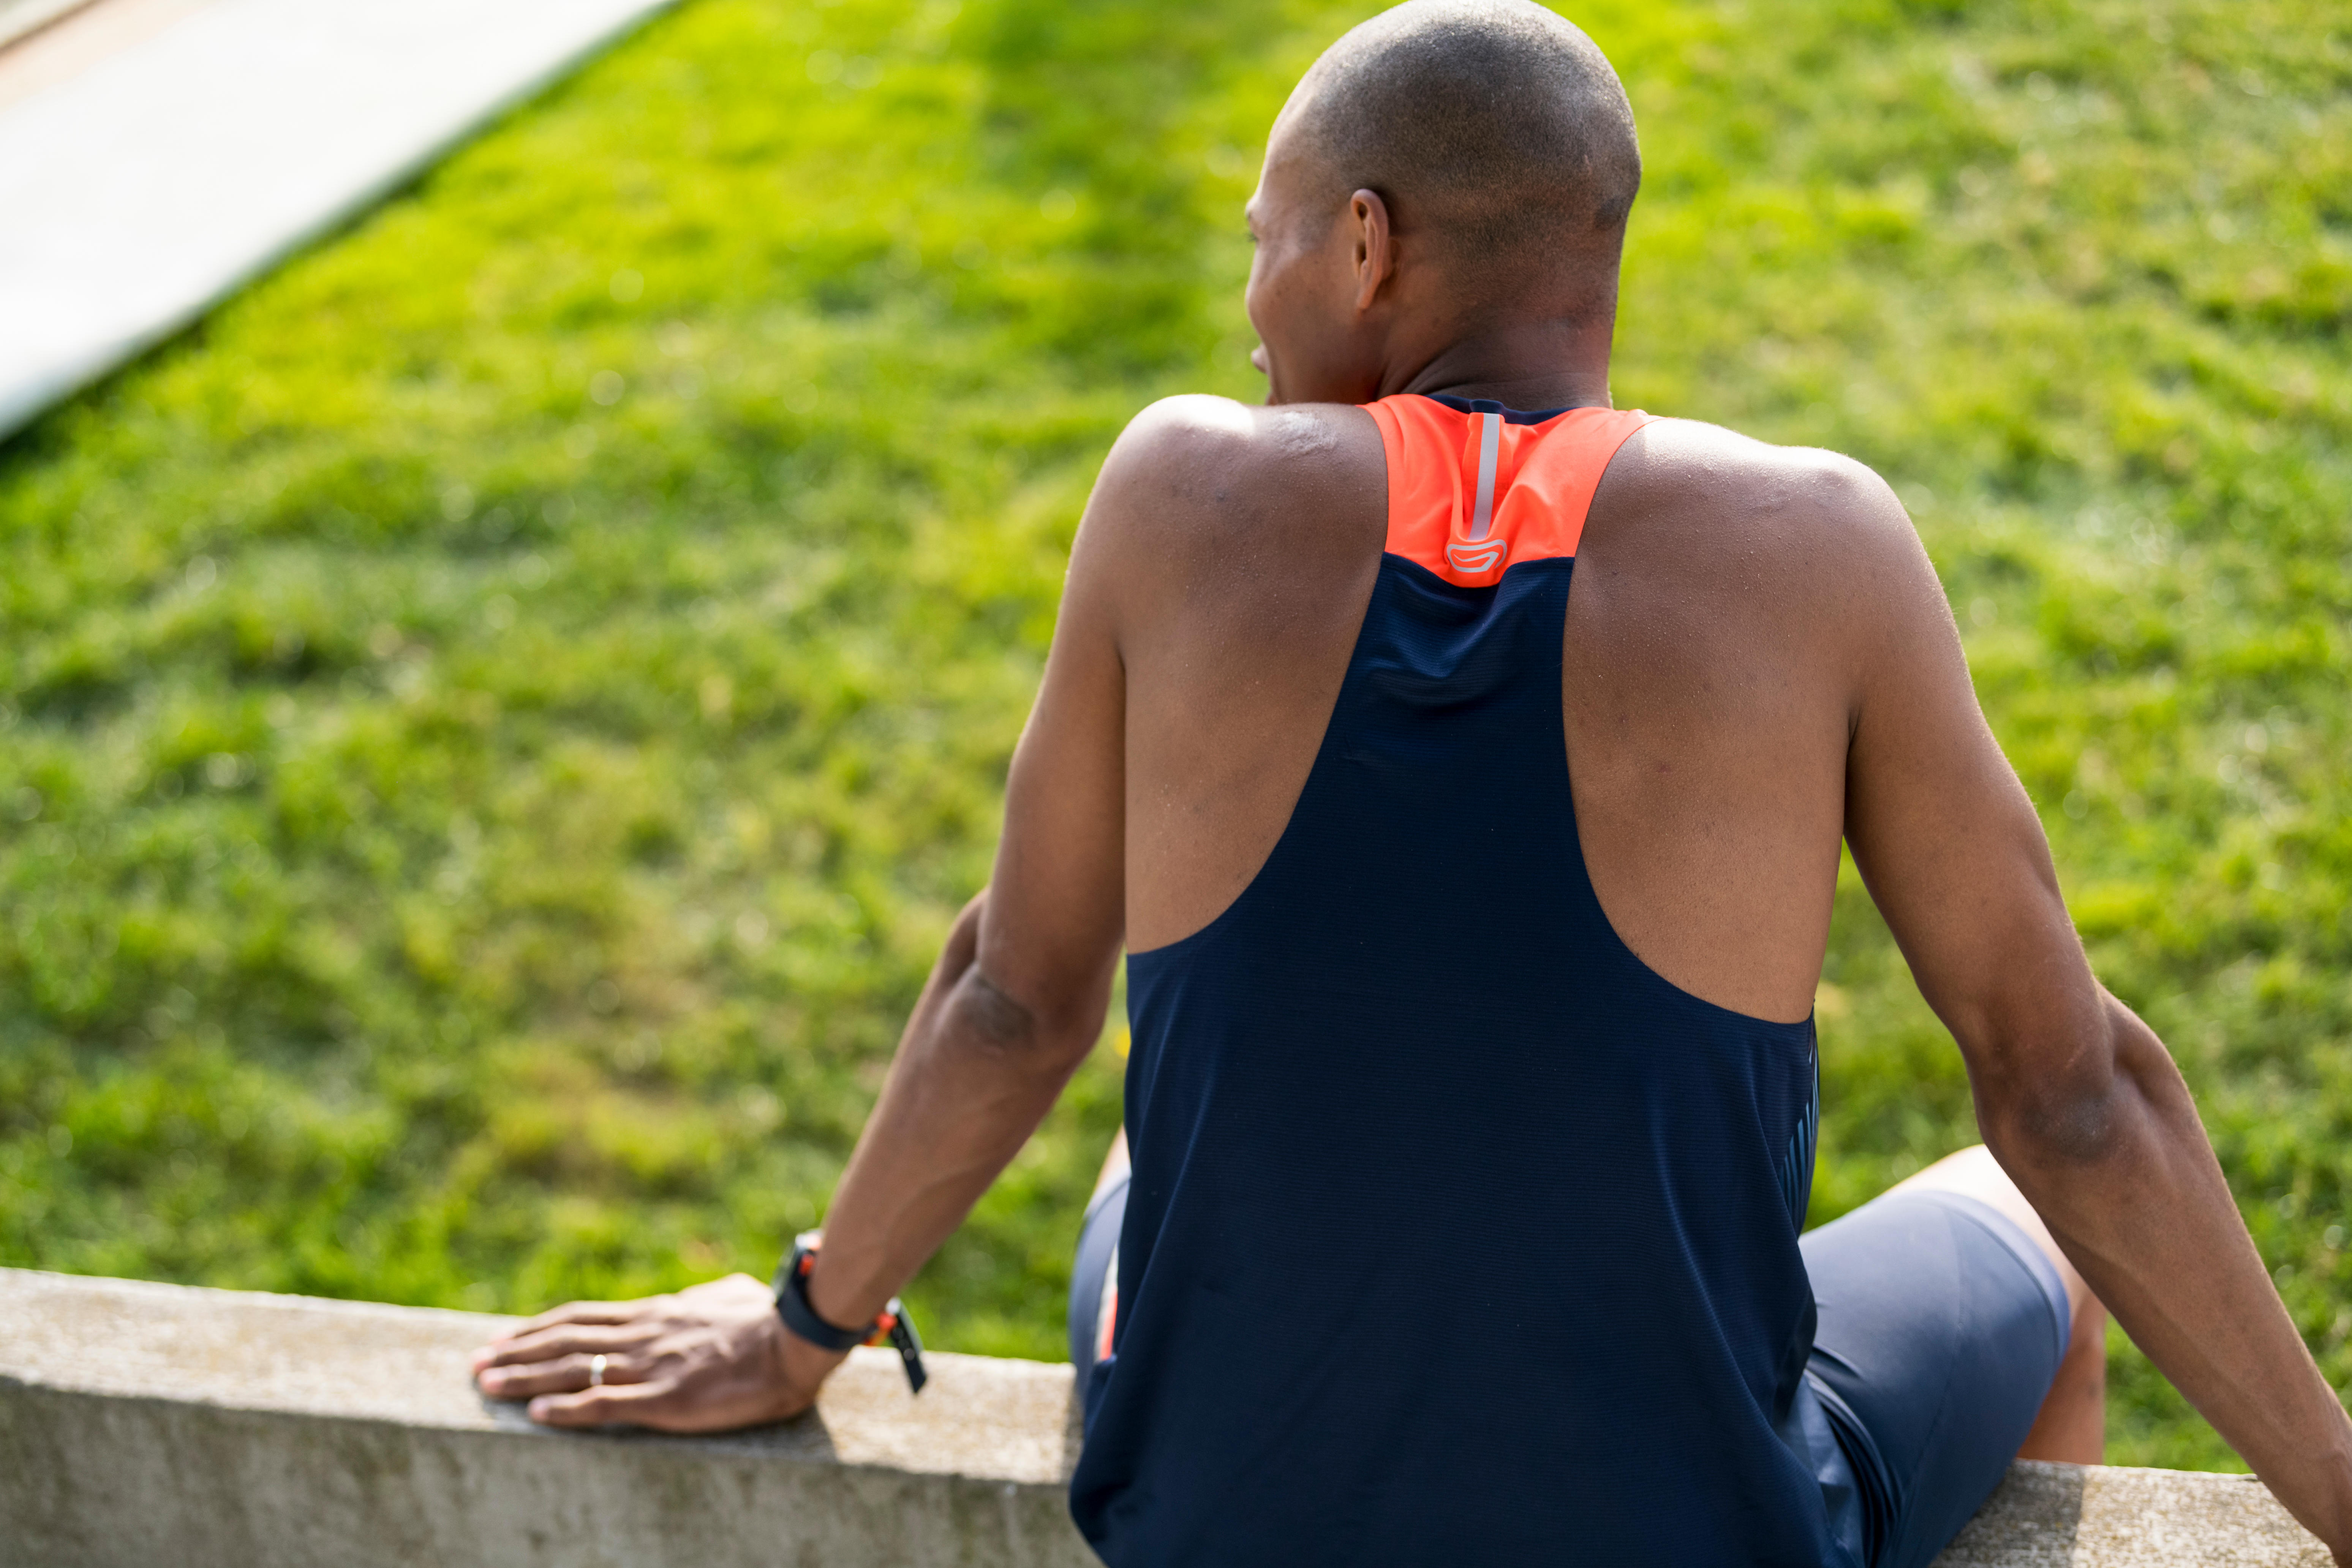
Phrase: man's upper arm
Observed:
(1944, 834)
(1057, 906)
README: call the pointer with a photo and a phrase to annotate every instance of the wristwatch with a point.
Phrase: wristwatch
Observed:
(800, 1319)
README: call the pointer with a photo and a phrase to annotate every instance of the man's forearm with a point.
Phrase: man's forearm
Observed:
(2130, 1188)
(976, 1071)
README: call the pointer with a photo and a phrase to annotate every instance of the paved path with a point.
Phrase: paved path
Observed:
(139, 190)
(18, 17)
(83, 34)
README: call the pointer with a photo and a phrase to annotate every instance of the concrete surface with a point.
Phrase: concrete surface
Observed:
(2069, 1516)
(147, 1424)
(141, 188)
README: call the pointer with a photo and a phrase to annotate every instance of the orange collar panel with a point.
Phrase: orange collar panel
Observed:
(1470, 495)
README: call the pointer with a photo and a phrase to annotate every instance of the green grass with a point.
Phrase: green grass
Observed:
(494, 724)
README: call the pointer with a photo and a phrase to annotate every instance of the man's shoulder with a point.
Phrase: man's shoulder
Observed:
(1800, 497)
(1729, 518)
(1767, 547)
(1196, 424)
(1197, 470)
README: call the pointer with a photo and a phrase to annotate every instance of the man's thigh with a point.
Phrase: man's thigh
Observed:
(1094, 1279)
(1942, 1324)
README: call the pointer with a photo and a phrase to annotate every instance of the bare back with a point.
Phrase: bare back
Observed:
(1708, 691)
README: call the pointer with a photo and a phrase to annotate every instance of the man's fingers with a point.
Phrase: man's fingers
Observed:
(583, 1312)
(572, 1315)
(638, 1404)
(562, 1375)
(563, 1339)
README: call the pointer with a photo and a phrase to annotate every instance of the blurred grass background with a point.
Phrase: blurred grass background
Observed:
(494, 724)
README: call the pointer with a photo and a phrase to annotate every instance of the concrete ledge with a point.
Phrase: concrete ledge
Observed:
(2070, 1516)
(144, 1423)
(147, 1424)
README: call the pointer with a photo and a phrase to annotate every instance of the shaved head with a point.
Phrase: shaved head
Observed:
(1492, 125)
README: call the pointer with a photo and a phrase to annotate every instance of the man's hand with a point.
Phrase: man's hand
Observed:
(711, 1358)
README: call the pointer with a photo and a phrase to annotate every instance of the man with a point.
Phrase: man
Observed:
(1473, 928)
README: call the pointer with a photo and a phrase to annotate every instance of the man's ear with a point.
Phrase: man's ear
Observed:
(1373, 253)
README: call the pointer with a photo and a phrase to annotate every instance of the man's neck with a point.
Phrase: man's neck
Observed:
(1530, 365)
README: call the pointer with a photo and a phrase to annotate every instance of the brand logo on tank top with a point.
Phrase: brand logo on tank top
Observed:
(1476, 558)
(1475, 551)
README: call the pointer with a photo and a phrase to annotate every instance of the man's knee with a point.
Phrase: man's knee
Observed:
(1973, 1172)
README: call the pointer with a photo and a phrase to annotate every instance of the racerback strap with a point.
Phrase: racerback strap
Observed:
(1471, 492)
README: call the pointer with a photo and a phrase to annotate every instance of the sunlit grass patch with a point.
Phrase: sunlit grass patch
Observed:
(494, 725)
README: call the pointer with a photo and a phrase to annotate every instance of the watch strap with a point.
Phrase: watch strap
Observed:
(793, 1303)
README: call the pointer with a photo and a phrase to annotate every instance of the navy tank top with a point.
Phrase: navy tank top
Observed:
(1457, 1234)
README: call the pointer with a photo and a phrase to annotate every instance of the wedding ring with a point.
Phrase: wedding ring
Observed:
(595, 1372)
